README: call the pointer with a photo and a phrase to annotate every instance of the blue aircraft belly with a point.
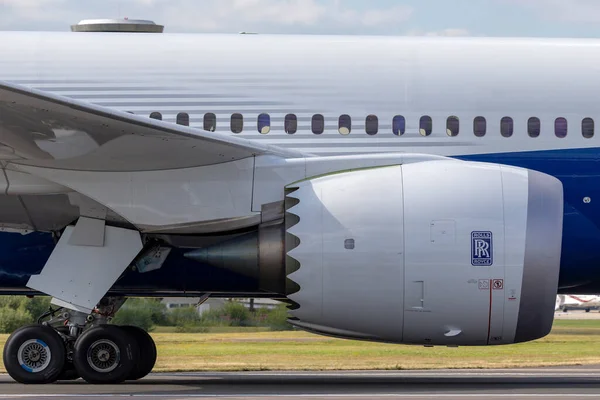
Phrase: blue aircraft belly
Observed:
(24, 255)
(579, 170)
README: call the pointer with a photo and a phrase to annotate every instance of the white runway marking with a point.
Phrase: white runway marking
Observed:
(314, 395)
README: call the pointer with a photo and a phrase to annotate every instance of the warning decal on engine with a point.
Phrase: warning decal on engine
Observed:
(482, 249)
(498, 284)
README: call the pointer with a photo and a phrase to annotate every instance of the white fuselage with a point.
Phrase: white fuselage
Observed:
(359, 78)
(331, 76)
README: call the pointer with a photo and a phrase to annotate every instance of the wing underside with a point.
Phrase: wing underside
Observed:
(62, 159)
(44, 130)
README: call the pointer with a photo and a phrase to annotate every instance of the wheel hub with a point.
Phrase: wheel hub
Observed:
(34, 355)
(103, 356)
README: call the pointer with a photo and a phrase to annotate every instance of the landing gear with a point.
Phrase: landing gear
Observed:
(75, 340)
(105, 354)
(73, 345)
(148, 354)
(34, 354)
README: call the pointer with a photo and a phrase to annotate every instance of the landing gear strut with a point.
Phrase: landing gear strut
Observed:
(74, 345)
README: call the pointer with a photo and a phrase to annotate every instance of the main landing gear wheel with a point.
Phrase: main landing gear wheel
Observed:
(34, 354)
(105, 354)
(147, 357)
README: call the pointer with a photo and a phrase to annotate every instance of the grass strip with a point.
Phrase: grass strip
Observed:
(571, 342)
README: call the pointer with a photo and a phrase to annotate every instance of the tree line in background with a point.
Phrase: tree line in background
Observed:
(16, 311)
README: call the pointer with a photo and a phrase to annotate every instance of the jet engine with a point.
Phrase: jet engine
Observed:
(433, 253)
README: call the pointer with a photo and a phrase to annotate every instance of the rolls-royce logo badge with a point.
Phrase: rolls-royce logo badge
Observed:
(482, 248)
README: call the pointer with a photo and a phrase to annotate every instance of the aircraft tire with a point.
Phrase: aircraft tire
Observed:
(34, 354)
(105, 354)
(147, 358)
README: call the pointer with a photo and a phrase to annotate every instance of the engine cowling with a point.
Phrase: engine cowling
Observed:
(439, 253)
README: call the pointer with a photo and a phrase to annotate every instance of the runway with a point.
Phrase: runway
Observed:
(562, 382)
(577, 314)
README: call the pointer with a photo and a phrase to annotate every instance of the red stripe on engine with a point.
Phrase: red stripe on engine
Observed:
(490, 313)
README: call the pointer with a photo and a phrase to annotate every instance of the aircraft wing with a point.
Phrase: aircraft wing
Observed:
(44, 130)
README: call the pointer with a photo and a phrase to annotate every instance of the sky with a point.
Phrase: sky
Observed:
(545, 18)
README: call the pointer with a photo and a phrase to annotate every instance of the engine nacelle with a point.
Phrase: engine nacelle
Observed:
(440, 253)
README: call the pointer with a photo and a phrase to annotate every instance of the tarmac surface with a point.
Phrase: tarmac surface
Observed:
(582, 382)
(560, 382)
(577, 314)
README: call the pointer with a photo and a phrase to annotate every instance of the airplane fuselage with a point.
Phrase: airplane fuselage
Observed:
(522, 102)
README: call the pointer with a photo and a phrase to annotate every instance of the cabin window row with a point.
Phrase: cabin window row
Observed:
(534, 126)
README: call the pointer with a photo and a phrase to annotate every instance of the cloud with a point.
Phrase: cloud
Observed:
(29, 4)
(268, 16)
(265, 16)
(37, 10)
(339, 12)
(453, 32)
(384, 16)
(238, 15)
(587, 11)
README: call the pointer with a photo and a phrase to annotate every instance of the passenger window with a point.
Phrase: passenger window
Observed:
(534, 127)
(425, 125)
(291, 124)
(479, 126)
(345, 124)
(452, 126)
(237, 123)
(210, 122)
(156, 115)
(264, 124)
(399, 125)
(372, 125)
(507, 127)
(318, 124)
(183, 119)
(560, 127)
(587, 128)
